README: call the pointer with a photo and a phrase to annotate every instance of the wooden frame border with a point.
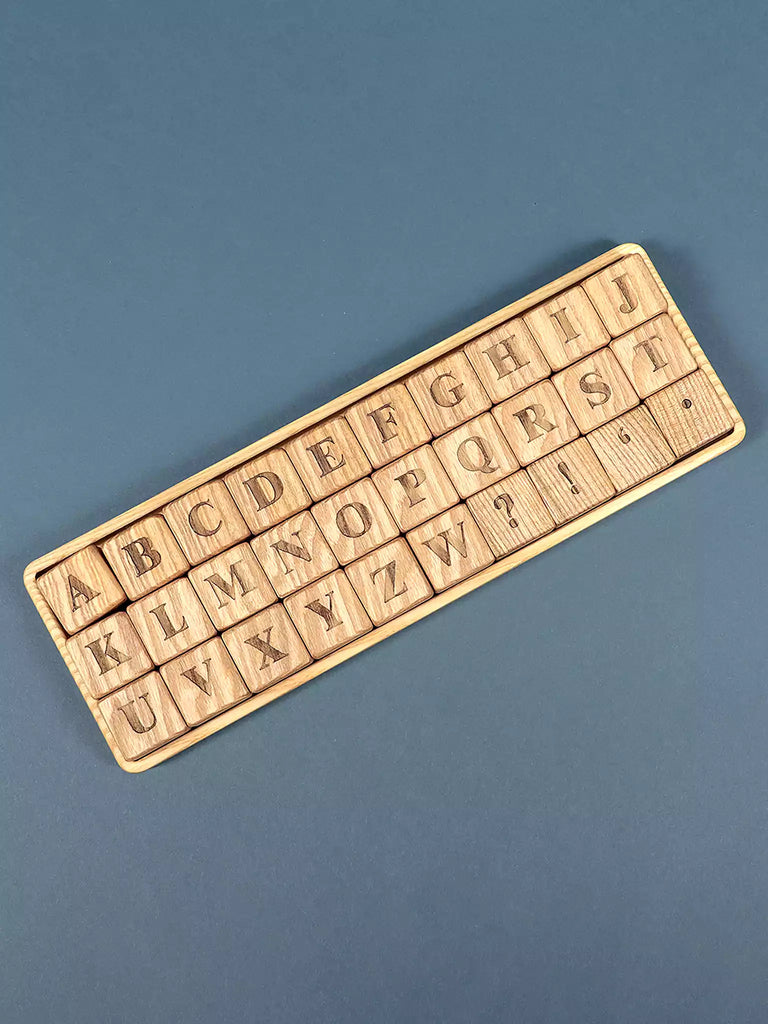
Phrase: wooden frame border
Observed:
(277, 437)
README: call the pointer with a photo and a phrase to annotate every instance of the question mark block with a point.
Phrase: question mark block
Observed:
(510, 514)
(631, 448)
(571, 481)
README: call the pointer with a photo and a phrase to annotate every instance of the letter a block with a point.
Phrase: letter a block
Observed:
(81, 589)
(142, 716)
(450, 547)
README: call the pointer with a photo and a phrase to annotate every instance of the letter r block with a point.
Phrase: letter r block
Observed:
(535, 422)
(145, 556)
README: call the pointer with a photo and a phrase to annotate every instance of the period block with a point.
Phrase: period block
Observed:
(450, 547)
(448, 392)
(232, 586)
(171, 621)
(631, 448)
(510, 514)
(689, 413)
(294, 553)
(595, 390)
(355, 521)
(535, 422)
(267, 490)
(388, 424)
(475, 454)
(653, 355)
(142, 716)
(266, 648)
(389, 581)
(206, 521)
(109, 654)
(507, 359)
(415, 487)
(571, 481)
(567, 327)
(625, 294)
(81, 589)
(328, 614)
(328, 457)
(144, 556)
(204, 682)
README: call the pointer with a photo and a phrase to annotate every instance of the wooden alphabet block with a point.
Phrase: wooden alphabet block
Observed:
(109, 654)
(535, 422)
(232, 586)
(567, 327)
(448, 392)
(631, 448)
(204, 681)
(415, 488)
(450, 547)
(267, 490)
(266, 648)
(328, 457)
(388, 424)
(294, 553)
(142, 716)
(206, 521)
(625, 294)
(389, 581)
(510, 514)
(690, 414)
(571, 481)
(171, 621)
(328, 614)
(595, 390)
(81, 589)
(653, 355)
(475, 454)
(144, 556)
(355, 521)
(507, 359)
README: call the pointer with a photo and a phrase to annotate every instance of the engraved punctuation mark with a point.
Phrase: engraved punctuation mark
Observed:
(563, 468)
(505, 502)
(624, 435)
(687, 403)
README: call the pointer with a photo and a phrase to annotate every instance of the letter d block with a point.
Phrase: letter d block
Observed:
(142, 717)
(267, 490)
(145, 556)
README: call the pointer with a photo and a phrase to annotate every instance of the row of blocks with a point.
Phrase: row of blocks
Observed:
(470, 458)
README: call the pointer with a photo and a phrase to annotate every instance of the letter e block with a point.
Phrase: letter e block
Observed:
(266, 648)
(81, 589)
(108, 654)
(328, 614)
(142, 717)
(145, 556)
(450, 547)
(328, 457)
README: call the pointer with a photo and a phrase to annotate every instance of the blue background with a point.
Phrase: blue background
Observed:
(546, 803)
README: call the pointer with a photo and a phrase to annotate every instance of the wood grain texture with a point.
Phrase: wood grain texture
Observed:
(389, 581)
(571, 481)
(108, 654)
(171, 620)
(204, 682)
(567, 327)
(689, 413)
(388, 424)
(450, 547)
(142, 717)
(294, 553)
(653, 355)
(475, 454)
(625, 294)
(81, 589)
(355, 521)
(266, 648)
(328, 614)
(535, 422)
(595, 390)
(415, 487)
(267, 490)
(507, 359)
(510, 514)
(206, 521)
(276, 440)
(448, 392)
(328, 457)
(631, 448)
(144, 556)
(232, 586)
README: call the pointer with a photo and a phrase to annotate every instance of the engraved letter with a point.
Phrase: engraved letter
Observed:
(326, 459)
(561, 318)
(286, 547)
(164, 621)
(501, 353)
(142, 555)
(104, 655)
(266, 493)
(132, 715)
(534, 422)
(385, 421)
(328, 615)
(475, 456)
(196, 677)
(390, 581)
(196, 520)
(441, 544)
(218, 583)
(354, 525)
(647, 347)
(80, 591)
(630, 301)
(410, 483)
(590, 387)
(262, 644)
(442, 394)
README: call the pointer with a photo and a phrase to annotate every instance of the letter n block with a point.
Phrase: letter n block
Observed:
(535, 422)
(294, 553)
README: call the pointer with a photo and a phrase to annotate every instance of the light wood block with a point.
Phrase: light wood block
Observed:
(571, 481)
(388, 424)
(415, 487)
(328, 614)
(448, 392)
(294, 553)
(267, 490)
(232, 586)
(171, 621)
(145, 556)
(507, 359)
(328, 457)
(475, 455)
(510, 514)
(266, 648)
(625, 294)
(142, 716)
(204, 682)
(389, 581)
(108, 654)
(567, 327)
(653, 355)
(690, 414)
(631, 448)
(355, 521)
(450, 547)
(206, 521)
(81, 589)
(535, 422)
(595, 390)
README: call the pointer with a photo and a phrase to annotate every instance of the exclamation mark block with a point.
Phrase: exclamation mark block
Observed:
(571, 481)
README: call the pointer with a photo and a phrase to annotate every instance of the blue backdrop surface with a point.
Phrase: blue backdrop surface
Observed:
(545, 803)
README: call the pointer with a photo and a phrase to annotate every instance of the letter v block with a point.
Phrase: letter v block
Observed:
(204, 682)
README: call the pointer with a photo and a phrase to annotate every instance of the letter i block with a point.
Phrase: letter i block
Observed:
(450, 547)
(204, 682)
(108, 654)
(448, 392)
(535, 422)
(571, 481)
(510, 514)
(294, 554)
(206, 521)
(355, 521)
(267, 490)
(266, 648)
(388, 424)
(171, 621)
(625, 294)
(232, 586)
(142, 716)
(567, 327)
(595, 390)
(475, 454)
(389, 581)
(328, 614)
(81, 589)
(144, 556)
(328, 457)
(415, 487)
(507, 359)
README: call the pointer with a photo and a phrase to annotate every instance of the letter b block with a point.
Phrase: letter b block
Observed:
(145, 556)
